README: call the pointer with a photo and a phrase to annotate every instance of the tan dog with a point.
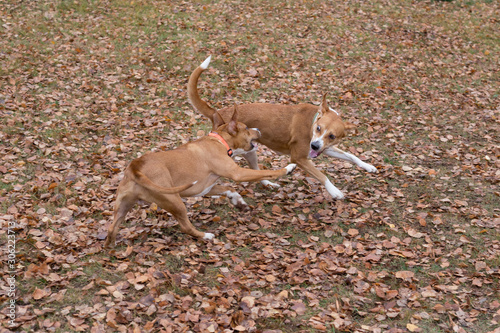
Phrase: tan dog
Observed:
(301, 131)
(190, 170)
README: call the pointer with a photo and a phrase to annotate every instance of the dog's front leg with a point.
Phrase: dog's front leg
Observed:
(337, 153)
(238, 174)
(252, 160)
(308, 166)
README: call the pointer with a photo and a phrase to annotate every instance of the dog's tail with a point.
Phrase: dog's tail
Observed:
(143, 180)
(194, 98)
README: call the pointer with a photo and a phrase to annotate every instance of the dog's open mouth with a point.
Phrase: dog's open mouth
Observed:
(253, 146)
(313, 153)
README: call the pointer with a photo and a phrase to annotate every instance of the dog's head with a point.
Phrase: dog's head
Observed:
(327, 129)
(241, 137)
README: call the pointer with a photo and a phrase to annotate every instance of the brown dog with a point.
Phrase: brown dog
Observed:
(190, 170)
(301, 131)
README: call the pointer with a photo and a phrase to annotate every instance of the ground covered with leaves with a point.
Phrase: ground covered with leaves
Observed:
(85, 87)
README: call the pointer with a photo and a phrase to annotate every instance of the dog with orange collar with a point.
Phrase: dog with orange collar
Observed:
(190, 170)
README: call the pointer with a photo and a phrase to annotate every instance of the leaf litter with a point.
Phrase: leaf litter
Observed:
(414, 248)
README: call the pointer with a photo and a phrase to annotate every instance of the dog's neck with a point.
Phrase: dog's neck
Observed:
(221, 140)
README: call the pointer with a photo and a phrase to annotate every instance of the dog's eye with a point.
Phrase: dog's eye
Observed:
(332, 137)
(318, 128)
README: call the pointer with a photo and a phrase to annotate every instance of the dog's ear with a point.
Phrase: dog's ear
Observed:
(235, 113)
(349, 126)
(323, 107)
(232, 127)
(217, 121)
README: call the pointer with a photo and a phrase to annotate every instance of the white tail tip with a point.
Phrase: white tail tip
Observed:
(204, 65)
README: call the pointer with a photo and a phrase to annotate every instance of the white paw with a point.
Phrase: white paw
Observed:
(268, 183)
(337, 195)
(208, 235)
(369, 167)
(334, 192)
(236, 199)
(290, 167)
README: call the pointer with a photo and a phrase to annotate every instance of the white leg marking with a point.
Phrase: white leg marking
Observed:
(334, 192)
(268, 183)
(290, 167)
(235, 198)
(337, 153)
(208, 235)
(205, 64)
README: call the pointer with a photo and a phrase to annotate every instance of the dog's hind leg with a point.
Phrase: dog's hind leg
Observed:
(232, 195)
(173, 204)
(124, 202)
(252, 160)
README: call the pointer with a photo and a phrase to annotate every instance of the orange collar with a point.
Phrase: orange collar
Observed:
(221, 139)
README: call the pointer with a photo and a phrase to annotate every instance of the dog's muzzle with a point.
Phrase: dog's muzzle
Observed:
(315, 147)
(258, 133)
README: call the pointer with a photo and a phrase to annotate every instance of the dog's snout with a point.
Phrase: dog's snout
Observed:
(315, 145)
(258, 132)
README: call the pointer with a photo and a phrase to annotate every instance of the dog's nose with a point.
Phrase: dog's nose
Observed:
(315, 145)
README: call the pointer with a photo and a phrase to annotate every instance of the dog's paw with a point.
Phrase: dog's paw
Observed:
(109, 242)
(290, 167)
(208, 236)
(333, 191)
(338, 196)
(369, 167)
(242, 208)
(236, 199)
(267, 183)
